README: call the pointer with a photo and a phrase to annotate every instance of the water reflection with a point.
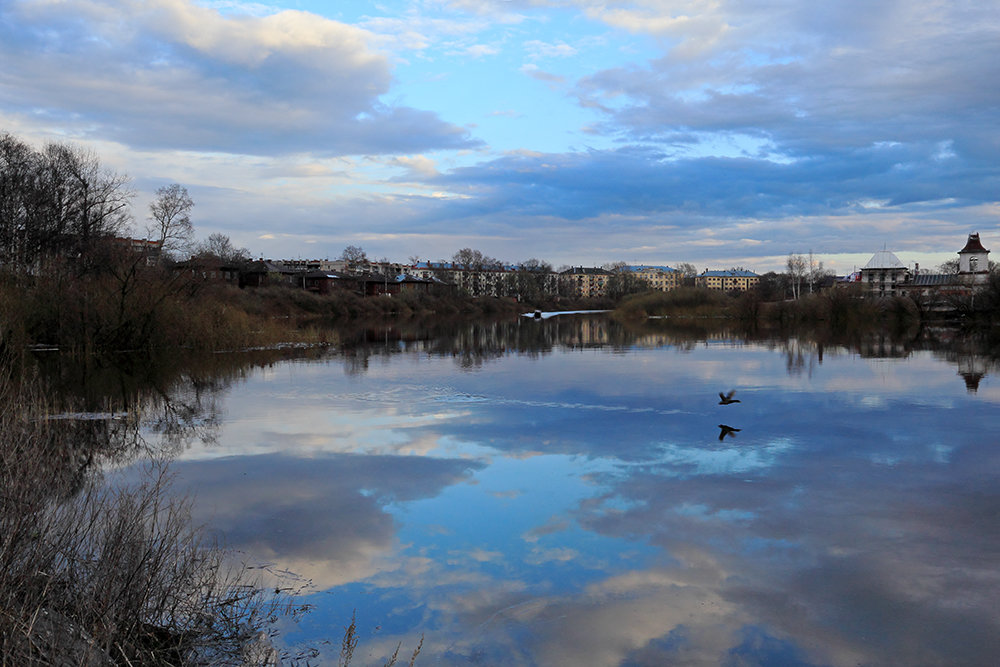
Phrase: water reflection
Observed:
(109, 408)
(567, 492)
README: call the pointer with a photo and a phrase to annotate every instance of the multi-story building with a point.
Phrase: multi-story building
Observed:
(885, 275)
(476, 281)
(314, 264)
(662, 278)
(726, 281)
(585, 281)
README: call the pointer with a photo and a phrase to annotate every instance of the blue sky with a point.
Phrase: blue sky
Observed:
(716, 132)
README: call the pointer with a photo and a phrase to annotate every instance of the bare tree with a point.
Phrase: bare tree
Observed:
(353, 255)
(94, 202)
(688, 273)
(689, 270)
(796, 265)
(816, 272)
(219, 245)
(531, 279)
(20, 203)
(170, 219)
(57, 202)
(950, 267)
(87, 205)
(474, 259)
(623, 281)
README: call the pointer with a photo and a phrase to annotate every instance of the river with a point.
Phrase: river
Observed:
(572, 492)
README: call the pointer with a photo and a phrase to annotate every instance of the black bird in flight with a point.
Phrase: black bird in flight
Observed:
(726, 399)
(727, 430)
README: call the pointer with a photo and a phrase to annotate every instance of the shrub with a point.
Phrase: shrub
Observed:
(681, 302)
(100, 574)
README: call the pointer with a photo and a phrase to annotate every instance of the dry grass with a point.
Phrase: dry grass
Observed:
(349, 643)
(97, 574)
(681, 302)
(97, 571)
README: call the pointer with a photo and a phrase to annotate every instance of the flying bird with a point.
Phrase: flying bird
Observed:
(726, 399)
(727, 430)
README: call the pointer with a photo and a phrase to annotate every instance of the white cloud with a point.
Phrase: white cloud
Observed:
(537, 49)
(537, 73)
(169, 73)
(481, 50)
(418, 165)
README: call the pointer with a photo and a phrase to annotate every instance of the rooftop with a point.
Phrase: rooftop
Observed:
(884, 259)
(973, 244)
(585, 270)
(643, 267)
(931, 279)
(729, 274)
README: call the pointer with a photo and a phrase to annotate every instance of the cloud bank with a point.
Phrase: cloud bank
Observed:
(729, 131)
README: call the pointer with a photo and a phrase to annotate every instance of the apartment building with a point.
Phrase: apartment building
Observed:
(483, 281)
(662, 278)
(727, 281)
(585, 281)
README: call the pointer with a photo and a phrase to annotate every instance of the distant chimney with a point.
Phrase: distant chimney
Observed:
(916, 268)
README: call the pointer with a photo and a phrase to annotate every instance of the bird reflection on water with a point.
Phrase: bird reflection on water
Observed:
(727, 430)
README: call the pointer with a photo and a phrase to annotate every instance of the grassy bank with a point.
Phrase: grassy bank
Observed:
(683, 302)
(128, 306)
(147, 309)
(838, 308)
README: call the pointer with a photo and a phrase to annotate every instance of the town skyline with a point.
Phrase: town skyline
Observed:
(911, 265)
(580, 133)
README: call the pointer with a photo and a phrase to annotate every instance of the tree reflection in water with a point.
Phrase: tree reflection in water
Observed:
(801, 540)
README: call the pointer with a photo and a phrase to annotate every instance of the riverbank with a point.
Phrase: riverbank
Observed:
(151, 309)
(839, 308)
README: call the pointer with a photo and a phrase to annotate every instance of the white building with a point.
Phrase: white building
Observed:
(885, 275)
(973, 261)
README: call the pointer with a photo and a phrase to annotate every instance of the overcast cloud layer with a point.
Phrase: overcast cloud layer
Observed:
(717, 133)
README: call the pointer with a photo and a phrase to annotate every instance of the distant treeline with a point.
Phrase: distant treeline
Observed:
(69, 279)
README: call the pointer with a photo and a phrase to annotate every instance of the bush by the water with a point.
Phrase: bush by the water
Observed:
(126, 305)
(93, 573)
(841, 308)
(682, 302)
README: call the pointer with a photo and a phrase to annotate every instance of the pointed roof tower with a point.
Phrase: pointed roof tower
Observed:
(973, 258)
(974, 244)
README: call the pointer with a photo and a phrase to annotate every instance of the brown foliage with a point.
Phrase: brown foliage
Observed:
(98, 573)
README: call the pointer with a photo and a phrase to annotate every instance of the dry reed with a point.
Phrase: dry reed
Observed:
(99, 574)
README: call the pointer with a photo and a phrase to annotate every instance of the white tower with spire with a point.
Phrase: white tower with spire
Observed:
(973, 261)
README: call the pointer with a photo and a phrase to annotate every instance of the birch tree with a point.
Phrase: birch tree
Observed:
(170, 219)
(796, 265)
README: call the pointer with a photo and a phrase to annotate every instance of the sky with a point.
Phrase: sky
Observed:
(581, 132)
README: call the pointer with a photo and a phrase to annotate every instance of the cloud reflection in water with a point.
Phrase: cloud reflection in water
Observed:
(578, 508)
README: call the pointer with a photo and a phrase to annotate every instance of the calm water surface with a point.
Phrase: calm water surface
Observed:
(562, 493)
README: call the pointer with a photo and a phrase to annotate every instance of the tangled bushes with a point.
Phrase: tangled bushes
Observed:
(839, 308)
(682, 302)
(103, 574)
